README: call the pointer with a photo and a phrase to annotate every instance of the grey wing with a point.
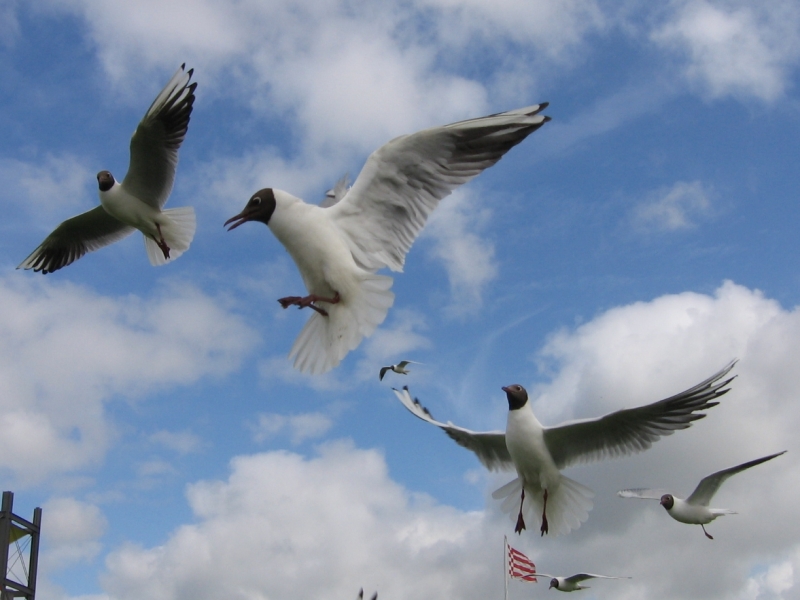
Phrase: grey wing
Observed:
(336, 193)
(578, 577)
(155, 143)
(404, 180)
(642, 493)
(489, 447)
(709, 485)
(634, 429)
(74, 238)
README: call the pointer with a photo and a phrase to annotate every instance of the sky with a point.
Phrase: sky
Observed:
(627, 250)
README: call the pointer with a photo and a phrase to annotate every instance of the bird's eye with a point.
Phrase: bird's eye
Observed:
(256, 200)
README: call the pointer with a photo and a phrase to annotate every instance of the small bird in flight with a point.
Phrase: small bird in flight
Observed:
(137, 202)
(573, 582)
(398, 368)
(339, 247)
(694, 510)
(539, 453)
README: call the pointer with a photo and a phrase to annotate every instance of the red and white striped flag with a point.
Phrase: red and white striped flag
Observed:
(520, 566)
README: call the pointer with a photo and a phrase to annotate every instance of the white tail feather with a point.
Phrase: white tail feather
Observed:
(568, 505)
(325, 341)
(177, 226)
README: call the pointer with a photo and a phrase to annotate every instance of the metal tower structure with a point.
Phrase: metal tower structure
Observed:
(19, 551)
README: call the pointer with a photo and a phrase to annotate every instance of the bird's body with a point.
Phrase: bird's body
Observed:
(539, 453)
(573, 582)
(695, 509)
(136, 202)
(338, 247)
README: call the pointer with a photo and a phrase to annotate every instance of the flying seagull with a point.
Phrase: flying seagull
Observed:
(399, 368)
(539, 453)
(137, 202)
(339, 247)
(573, 582)
(694, 510)
(361, 595)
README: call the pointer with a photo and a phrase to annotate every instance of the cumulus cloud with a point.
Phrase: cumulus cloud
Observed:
(677, 207)
(73, 531)
(336, 522)
(736, 48)
(468, 258)
(65, 351)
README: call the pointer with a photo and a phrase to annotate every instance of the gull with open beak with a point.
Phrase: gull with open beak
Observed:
(539, 453)
(137, 202)
(339, 247)
(695, 510)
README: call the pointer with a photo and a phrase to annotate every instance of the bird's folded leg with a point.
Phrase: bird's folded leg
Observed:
(520, 521)
(708, 535)
(308, 301)
(545, 528)
(162, 243)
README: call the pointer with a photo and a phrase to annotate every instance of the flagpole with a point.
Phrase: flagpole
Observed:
(505, 563)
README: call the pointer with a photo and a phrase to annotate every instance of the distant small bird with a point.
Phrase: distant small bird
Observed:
(573, 583)
(339, 247)
(539, 453)
(398, 368)
(137, 202)
(361, 595)
(694, 510)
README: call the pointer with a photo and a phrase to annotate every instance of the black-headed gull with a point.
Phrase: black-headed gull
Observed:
(137, 202)
(339, 248)
(573, 582)
(695, 510)
(399, 368)
(539, 453)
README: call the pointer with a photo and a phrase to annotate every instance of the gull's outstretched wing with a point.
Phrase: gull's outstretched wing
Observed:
(489, 446)
(578, 577)
(155, 143)
(404, 180)
(708, 486)
(75, 237)
(642, 493)
(634, 429)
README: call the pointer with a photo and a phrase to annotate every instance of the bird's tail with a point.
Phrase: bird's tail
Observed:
(177, 226)
(718, 512)
(568, 505)
(325, 341)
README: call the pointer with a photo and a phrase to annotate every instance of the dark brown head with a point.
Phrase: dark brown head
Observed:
(667, 501)
(517, 396)
(259, 208)
(105, 180)
(553, 583)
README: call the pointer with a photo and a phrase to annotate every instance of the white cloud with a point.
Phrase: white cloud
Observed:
(468, 258)
(301, 427)
(325, 527)
(737, 48)
(182, 442)
(674, 208)
(66, 351)
(72, 530)
(51, 184)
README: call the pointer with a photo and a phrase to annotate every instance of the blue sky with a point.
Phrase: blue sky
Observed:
(627, 250)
